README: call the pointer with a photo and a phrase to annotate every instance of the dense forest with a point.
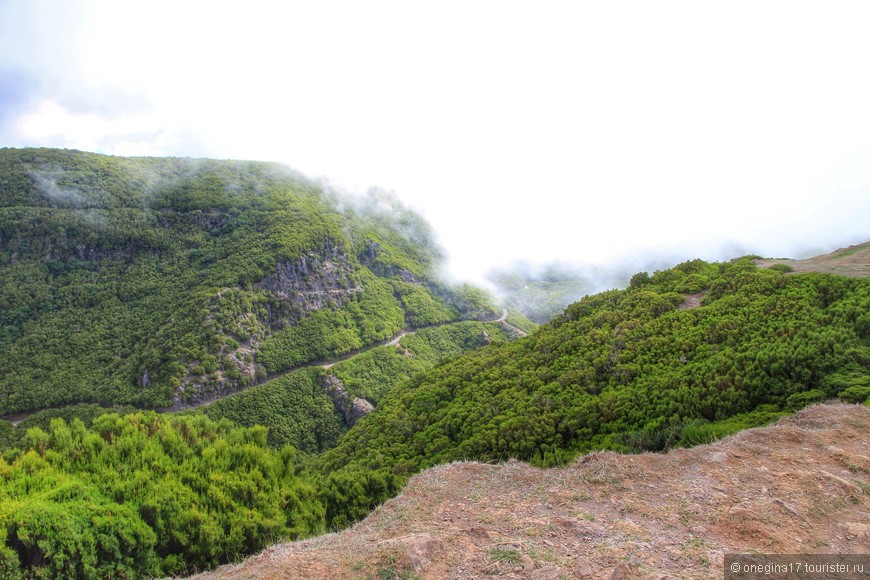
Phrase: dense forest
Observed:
(158, 282)
(146, 495)
(224, 291)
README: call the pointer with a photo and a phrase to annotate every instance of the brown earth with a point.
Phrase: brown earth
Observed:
(852, 261)
(800, 487)
(692, 301)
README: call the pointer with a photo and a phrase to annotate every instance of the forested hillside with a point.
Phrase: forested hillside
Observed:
(158, 282)
(679, 358)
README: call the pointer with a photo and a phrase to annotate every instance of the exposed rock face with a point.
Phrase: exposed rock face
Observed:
(321, 279)
(314, 281)
(359, 409)
(351, 407)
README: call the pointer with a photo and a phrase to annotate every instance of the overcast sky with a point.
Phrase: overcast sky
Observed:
(578, 131)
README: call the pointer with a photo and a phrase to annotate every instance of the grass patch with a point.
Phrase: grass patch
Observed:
(506, 555)
(392, 566)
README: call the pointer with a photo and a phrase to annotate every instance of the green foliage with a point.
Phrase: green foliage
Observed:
(698, 432)
(800, 400)
(421, 307)
(84, 412)
(146, 495)
(784, 268)
(434, 345)
(371, 315)
(147, 281)
(472, 302)
(517, 320)
(629, 370)
(295, 409)
(858, 391)
(506, 555)
(389, 238)
(542, 295)
(640, 279)
(350, 495)
(298, 412)
(7, 434)
(373, 374)
(690, 432)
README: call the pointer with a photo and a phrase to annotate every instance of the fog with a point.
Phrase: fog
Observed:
(609, 136)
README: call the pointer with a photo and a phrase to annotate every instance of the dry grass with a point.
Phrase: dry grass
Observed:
(800, 486)
(853, 261)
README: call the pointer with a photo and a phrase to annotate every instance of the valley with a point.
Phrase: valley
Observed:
(200, 359)
(326, 364)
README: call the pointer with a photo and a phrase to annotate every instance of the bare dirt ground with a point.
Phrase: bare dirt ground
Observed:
(798, 487)
(692, 301)
(852, 261)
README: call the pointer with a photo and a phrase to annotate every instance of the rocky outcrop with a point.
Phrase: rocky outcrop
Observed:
(314, 281)
(351, 407)
(321, 279)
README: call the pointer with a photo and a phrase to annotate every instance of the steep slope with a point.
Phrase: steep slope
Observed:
(679, 358)
(311, 408)
(157, 282)
(799, 487)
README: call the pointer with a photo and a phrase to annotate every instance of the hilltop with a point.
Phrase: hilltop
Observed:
(852, 261)
(801, 486)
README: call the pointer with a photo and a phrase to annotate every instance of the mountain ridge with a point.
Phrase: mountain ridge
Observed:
(161, 281)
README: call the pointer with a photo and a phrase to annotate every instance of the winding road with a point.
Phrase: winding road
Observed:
(16, 418)
(329, 363)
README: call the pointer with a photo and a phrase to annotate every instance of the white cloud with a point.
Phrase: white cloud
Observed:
(569, 130)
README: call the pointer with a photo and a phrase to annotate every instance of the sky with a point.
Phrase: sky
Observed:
(578, 131)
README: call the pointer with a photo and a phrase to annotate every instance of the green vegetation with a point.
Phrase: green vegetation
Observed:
(297, 410)
(370, 316)
(542, 292)
(627, 370)
(372, 375)
(421, 307)
(690, 432)
(539, 296)
(153, 282)
(294, 407)
(84, 412)
(129, 283)
(146, 495)
(517, 320)
(784, 268)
